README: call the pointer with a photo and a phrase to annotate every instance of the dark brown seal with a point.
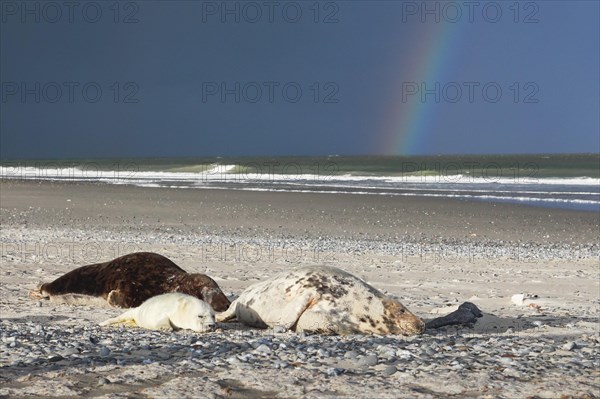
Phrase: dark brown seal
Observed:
(129, 280)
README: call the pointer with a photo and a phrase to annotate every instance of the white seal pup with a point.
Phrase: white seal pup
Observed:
(168, 312)
(321, 299)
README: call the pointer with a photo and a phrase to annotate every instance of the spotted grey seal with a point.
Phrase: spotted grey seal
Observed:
(321, 299)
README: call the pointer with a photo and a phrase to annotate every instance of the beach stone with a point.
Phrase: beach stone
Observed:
(334, 371)
(389, 370)
(262, 341)
(279, 330)
(369, 360)
(569, 346)
(232, 360)
(511, 372)
(69, 352)
(246, 357)
(384, 348)
(428, 351)
(263, 349)
(146, 352)
(518, 299)
(281, 364)
(562, 352)
(104, 351)
(103, 381)
(322, 353)
(405, 354)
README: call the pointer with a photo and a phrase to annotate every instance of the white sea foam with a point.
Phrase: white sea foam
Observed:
(570, 191)
(224, 173)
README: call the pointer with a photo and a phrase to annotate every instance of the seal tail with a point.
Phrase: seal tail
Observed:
(125, 317)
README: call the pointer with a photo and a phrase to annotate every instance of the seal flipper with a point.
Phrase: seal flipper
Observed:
(38, 293)
(312, 321)
(128, 316)
(287, 316)
(229, 314)
(116, 299)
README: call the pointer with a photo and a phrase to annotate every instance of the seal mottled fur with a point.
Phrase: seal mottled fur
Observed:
(129, 280)
(322, 299)
(169, 312)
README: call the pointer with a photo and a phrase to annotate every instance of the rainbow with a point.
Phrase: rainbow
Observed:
(408, 124)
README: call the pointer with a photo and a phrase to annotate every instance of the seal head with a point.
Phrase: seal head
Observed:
(400, 320)
(204, 287)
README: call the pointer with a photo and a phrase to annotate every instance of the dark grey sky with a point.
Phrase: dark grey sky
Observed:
(184, 78)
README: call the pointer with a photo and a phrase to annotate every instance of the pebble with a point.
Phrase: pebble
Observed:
(80, 347)
(322, 353)
(103, 381)
(511, 372)
(263, 349)
(369, 360)
(232, 360)
(104, 351)
(70, 351)
(404, 354)
(279, 330)
(334, 371)
(569, 346)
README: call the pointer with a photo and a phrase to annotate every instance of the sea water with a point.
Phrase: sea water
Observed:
(557, 180)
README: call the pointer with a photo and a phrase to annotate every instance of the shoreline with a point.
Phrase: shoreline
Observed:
(534, 195)
(407, 217)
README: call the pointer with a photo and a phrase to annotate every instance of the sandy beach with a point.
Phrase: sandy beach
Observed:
(432, 254)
